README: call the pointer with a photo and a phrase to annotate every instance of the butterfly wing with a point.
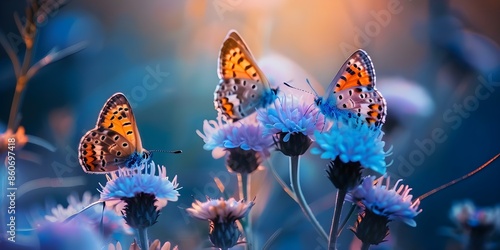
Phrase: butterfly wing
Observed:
(243, 87)
(369, 105)
(353, 89)
(237, 98)
(114, 140)
(236, 60)
(103, 150)
(117, 115)
(357, 71)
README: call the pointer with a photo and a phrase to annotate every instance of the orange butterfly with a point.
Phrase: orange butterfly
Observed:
(352, 92)
(243, 87)
(115, 141)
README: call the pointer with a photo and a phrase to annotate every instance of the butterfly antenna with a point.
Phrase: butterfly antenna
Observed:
(167, 151)
(310, 85)
(290, 86)
(475, 171)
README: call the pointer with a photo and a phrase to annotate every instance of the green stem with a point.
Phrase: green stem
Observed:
(242, 185)
(244, 190)
(332, 240)
(294, 179)
(351, 212)
(142, 235)
(365, 246)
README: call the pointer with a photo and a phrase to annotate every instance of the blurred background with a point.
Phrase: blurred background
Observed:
(437, 64)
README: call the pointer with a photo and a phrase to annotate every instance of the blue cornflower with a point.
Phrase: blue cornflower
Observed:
(394, 203)
(243, 142)
(114, 225)
(353, 141)
(379, 205)
(292, 123)
(245, 134)
(290, 116)
(222, 215)
(139, 195)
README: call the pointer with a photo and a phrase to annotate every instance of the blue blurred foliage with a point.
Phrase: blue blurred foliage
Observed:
(444, 46)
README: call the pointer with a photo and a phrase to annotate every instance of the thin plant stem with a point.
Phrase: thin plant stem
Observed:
(242, 185)
(365, 246)
(282, 183)
(244, 191)
(16, 102)
(332, 240)
(142, 235)
(459, 179)
(250, 240)
(351, 212)
(11, 53)
(22, 80)
(295, 181)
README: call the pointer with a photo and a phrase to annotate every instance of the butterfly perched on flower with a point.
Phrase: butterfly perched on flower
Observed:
(352, 92)
(115, 141)
(243, 87)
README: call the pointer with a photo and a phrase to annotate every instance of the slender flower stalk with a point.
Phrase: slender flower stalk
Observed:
(142, 234)
(339, 203)
(295, 181)
(244, 187)
(292, 124)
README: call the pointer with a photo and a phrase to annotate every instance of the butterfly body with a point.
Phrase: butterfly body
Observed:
(243, 87)
(115, 141)
(352, 92)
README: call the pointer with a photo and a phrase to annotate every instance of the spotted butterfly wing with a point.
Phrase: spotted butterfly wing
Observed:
(243, 87)
(352, 92)
(115, 141)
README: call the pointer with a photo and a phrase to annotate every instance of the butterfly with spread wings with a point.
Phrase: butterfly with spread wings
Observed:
(243, 87)
(352, 92)
(115, 141)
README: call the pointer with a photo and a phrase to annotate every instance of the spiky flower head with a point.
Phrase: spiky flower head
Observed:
(222, 215)
(139, 195)
(292, 123)
(394, 202)
(243, 142)
(344, 176)
(352, 140)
